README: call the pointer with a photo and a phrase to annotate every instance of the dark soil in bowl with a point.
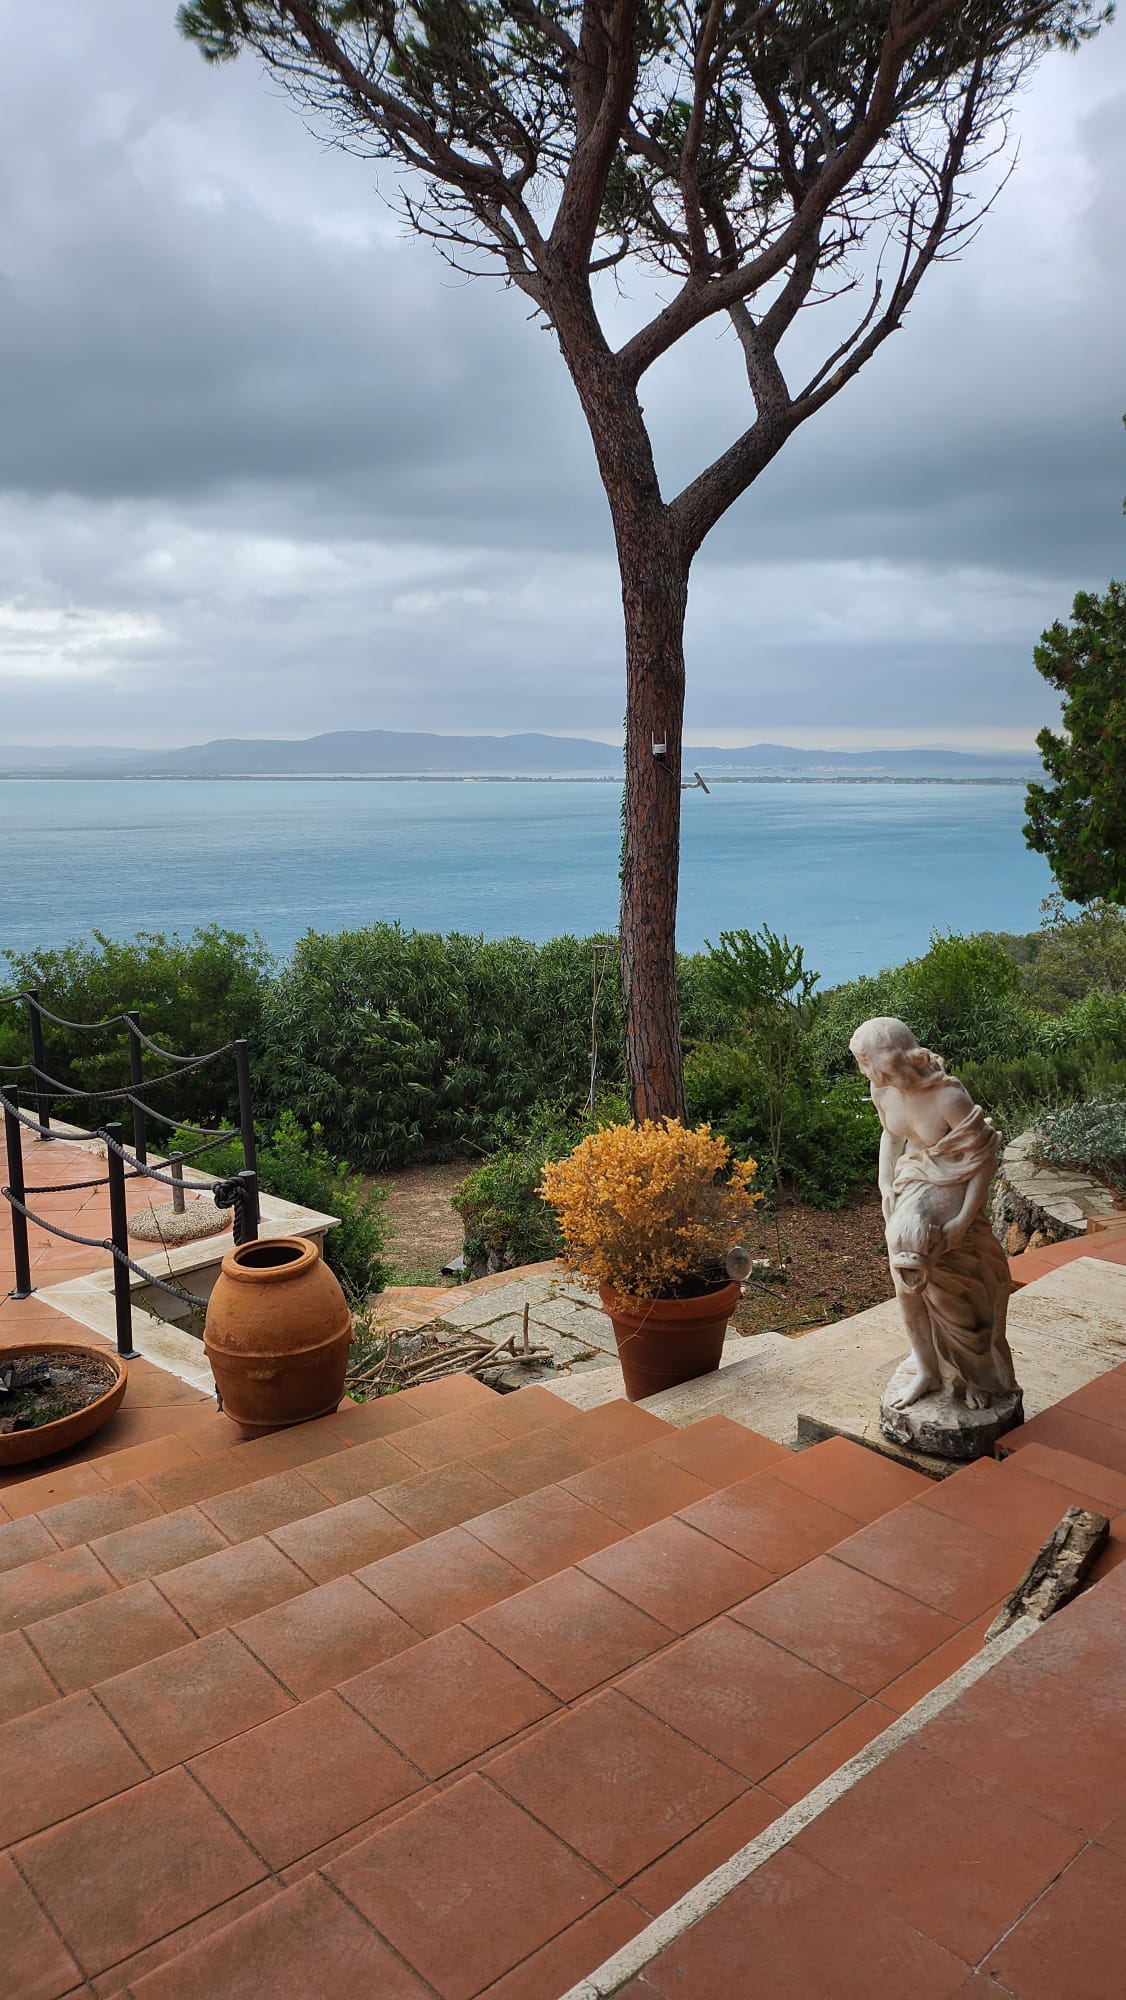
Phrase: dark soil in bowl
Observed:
(74, 1381)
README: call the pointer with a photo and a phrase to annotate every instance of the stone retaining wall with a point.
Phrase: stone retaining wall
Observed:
(1034, 1204)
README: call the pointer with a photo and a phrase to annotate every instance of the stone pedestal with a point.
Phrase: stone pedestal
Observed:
(162, 1224)
(942, 1425)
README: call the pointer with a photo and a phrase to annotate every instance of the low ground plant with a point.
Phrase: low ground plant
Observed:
(1089, 1137)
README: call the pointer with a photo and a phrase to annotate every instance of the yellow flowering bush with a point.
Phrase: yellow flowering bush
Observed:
(651, 1210)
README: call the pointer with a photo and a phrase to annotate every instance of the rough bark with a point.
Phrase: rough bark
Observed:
(654, 599)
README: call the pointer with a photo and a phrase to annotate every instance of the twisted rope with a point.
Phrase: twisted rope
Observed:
(105, 1243)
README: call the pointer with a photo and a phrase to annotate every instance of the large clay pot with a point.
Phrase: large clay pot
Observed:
(20, 1447)
(665, 1341)
(277, 1334)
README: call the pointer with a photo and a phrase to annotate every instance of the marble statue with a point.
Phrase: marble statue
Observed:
(938, 1155)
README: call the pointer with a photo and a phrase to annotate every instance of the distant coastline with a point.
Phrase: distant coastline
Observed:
(483, 778)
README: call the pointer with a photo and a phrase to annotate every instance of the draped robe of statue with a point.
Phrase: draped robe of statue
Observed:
(966, 1289)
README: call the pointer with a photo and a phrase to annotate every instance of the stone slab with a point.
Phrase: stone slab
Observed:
(1065, 1329)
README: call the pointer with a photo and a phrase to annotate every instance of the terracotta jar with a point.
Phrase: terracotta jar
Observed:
(277, 1334)
(665, 1341)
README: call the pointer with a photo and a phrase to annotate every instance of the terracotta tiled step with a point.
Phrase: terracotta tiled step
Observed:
(569, 1701)
(149, 1588)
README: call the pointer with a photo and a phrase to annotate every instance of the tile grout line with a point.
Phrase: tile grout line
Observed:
(626, 1964)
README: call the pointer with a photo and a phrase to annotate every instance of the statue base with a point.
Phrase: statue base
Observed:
(942, 1425)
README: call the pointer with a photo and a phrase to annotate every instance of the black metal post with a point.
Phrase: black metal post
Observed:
(245, 1107)
(248, 1215)
(39, 1058)
(119, 1231)
(176, 1169)
(137, 1081)
(13, 1134)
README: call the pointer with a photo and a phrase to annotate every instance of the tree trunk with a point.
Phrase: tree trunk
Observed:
(654, 574)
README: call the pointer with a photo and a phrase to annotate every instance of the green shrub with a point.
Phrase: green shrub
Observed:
(506, 1221)
(192, 993)
(961, 998)
(296, 1166)
(832, 1148)
(1090, 1137)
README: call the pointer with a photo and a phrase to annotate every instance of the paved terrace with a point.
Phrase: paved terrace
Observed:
(462, 1695)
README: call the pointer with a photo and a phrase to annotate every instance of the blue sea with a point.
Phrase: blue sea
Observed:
(858, 873)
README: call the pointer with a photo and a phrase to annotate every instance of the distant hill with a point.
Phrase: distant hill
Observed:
(418, 753)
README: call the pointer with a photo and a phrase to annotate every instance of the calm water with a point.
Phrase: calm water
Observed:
(858, 873)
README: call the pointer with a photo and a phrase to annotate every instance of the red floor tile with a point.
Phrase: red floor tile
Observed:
(324, 1636)
(361, 1470)
(342, 1538)
(860, 1631)
(719, 1451)
(305, 1942)
(125, 1873)
(447, 1701)
(94, 1514)
(637, 1488)
(941, 1848)
(740, 1697)
(802, 1774)
(1069, 1946)
(37, 1965)
(954, 1568)
(709, 1847)
(1066, 1430)
(1006, 1501)
(356, 1423)
(1104, 1399)
(454, 1395)
(185, 1702)
(264, 1504)
(198, 1479)
(296, 1782)
(438, 1582)
(25, 1541)
(448, 1440)
(37, 1491)
(530, 1409)
(615, 1783)
(792, 1931)
(222, 1589)
(775, 1526)
(444, 1498)
(860, 1483)
(562, 1963)
(570, 1633)
(1057, 1748)
(132, 1554)
(937, 1667)
(544, 1532)
(50, 1584)
(619, 1427)
(524, 1464)
(96, 1640)
(460, 1924)
(1098, 1485)
(285, 1451)
(57, 1762)
(145, 1461)
(1085, 1643)
(677, 1575)
(24, 1681)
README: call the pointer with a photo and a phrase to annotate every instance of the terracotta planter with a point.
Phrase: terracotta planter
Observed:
(20, 1447)
(277, 1334)
(665, 1341)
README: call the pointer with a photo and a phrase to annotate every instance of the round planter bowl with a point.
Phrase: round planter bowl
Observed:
(277, 1334)
(20, 1447)
(662, 1342)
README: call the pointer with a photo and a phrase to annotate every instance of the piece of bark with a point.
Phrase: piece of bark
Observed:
(1057, 1570)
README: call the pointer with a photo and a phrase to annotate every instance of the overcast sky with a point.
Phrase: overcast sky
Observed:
(267, 467)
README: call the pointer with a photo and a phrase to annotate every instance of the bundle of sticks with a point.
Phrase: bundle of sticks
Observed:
(467, 1352)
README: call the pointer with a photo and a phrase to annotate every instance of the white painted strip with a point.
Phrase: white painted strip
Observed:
(626, 1964)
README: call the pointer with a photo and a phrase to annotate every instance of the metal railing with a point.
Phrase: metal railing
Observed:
(238, 1192)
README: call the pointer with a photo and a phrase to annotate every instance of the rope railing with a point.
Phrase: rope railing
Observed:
(238, 1192)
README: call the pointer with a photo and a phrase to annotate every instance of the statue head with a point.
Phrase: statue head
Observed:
(887, 1052)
